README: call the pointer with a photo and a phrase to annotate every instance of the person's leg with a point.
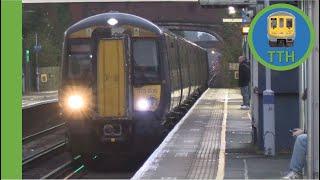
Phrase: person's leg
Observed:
(249, 93)
(299, 153)
(246, 96)
(243, 95)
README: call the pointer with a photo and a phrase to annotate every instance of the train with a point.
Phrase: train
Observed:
(281, 29)
(125, 82)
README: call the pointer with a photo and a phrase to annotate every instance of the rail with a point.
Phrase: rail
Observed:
(41, 133)
(45, 154)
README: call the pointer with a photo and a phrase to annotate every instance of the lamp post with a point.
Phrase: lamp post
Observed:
(231, 10)
(268, 113)
(37, 48)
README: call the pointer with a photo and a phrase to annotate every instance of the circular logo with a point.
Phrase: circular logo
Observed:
(281, 37)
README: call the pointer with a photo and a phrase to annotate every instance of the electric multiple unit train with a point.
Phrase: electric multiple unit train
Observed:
(123, 80)
(281, 29)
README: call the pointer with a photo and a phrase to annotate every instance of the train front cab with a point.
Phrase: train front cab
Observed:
(111, 86)
(281, 29)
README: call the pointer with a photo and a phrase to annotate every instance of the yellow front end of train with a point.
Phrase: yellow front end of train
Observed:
(281, 29)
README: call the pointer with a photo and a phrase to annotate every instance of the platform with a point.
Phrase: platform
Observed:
(212, 141)
(38, 98)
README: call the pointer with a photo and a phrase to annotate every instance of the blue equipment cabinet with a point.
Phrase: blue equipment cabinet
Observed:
(285, 85)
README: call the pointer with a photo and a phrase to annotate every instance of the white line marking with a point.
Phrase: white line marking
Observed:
(188, 141)
(221, 164)
(29, 105)
(168, 178)
(249, 115)
(245, 169)
(152, 161)
(181, 154)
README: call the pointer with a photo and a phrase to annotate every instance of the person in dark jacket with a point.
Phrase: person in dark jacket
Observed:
(244, 79)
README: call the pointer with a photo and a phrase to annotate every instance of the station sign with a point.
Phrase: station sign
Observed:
(232, 20)
(245, 30)
(233, 66)
(281, 37)
(44, 78)
(37, 48)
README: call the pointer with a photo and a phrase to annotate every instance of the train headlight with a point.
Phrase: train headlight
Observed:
(112, 21)
(143, 104)
(75, 102)
(146, 98)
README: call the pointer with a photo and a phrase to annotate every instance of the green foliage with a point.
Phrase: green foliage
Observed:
(49, 22)
(233, 42)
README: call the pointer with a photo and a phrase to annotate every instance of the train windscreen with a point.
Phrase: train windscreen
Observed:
(146, 64)
(79, 61)
(289, 23)
(281, 22)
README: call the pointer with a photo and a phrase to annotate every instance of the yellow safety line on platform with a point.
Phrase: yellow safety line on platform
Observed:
(220, 173)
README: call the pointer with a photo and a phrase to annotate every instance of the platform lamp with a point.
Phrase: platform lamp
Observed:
(231, 10)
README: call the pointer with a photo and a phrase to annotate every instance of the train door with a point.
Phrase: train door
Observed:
(112, 78)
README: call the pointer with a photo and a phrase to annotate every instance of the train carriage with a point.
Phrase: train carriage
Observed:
(123, 80)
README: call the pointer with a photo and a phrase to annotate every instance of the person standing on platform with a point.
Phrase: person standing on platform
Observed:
(244, 79)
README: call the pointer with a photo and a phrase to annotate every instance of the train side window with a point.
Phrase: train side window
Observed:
(273, 22)
(281, 22)
(289, 23)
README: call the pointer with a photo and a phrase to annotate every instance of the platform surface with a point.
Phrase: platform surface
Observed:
(38, 98)
(212, 141)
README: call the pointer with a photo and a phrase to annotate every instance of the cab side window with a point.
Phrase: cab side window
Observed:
(273, 22)
(289, 23)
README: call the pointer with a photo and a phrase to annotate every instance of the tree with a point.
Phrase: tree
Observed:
(49, 21)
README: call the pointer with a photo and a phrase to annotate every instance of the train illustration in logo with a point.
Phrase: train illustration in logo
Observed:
(281, 29)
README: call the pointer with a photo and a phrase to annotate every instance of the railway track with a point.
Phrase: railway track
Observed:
(83, 168)
(72, 169)
(42, 133)
(41, 166)
(52, 150)
(55, 149)
(53, 162)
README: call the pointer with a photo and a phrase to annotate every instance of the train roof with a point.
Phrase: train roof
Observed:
(170, 33)
(281, 13)
(122, 18)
